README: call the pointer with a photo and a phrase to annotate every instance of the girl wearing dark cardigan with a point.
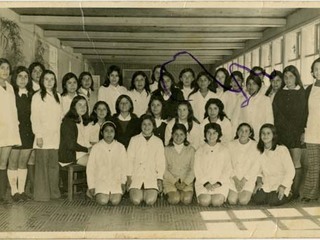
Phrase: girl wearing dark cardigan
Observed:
(289, 106)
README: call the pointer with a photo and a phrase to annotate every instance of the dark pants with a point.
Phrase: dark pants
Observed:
(270, 198)
(46, 181)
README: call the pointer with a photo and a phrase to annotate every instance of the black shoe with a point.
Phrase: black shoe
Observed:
(24, 197)
(306, 200)
(16, 197)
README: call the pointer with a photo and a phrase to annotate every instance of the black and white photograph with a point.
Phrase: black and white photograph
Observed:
(159, 119)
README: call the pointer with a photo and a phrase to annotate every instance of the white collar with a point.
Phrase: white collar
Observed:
(178, 147)
(121, 118)
(296, 88)
(85, 91)
(22, 91)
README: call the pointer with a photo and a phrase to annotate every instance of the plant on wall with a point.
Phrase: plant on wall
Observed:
(40, 52)
(11, 41)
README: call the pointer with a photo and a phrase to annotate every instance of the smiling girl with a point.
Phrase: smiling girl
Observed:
(186, 81)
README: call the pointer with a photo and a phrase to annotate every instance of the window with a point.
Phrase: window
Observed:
(266, 53)
(277, 51)
(293, 45)
(255, 57)
(317, 38)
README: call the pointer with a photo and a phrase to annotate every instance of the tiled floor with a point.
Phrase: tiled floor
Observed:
(81, 218)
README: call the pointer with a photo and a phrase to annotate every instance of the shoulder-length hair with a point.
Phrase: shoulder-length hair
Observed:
(148, 117)
(83, 74)
(260, 145)
(190, 118)
(219, 104)
(72, 113)
(34, 65)
(16, 72)
(153, 78)
(176, 127)
(247, 125)
(232, 77)
(146, 81)
(273, 75)
(226, 83)
(94, 115)
(212, 87)
(65, 79)
(43, 90)
(183, 71)
(295, 72)
(118, 103)
(214, 126)
(155, 98)
(113, 68)
(161, 82)
(4, 60)
(312, 66)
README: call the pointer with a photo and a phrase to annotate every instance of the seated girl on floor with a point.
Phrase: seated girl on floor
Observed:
(106, 174)
(212, 168)
(179, 174)
(276, 171)
(146, 164)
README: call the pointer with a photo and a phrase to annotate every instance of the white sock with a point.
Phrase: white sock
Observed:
(22, 177)
(13, 177)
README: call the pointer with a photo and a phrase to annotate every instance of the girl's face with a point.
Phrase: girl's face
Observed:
(108, 134)
(252, 87)
(139, 83)
(156, 107)
(183, 112)
(290, 80)
(244, 134)
(124, 105)
(233, 83)
(316, 70)
(48, 81)
(101, 111)
(266, 136)
(213, 111)
(114, 78)
(178, 137)
(187, 79)
(167, 83)
(221, 77)
(203, 83)
(4, 71)
(157, 74)
(212, 136)
(86, 82)
(22, 79)
(147, 127)
(36, 73)
(72, 85)
(81, 107)
(276, 83)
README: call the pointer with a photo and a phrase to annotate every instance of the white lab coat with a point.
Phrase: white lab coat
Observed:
(276, 169)
(110, 95)
(66, 101)
(226, 128)
(94, 131)
(198, 103)
(195, 136)
(186, 92)
(140, 101)
(212, 164)
(106, 168)
(46, 116)
(257, 112)
(9, 123)
(146, 161)
(245, 163)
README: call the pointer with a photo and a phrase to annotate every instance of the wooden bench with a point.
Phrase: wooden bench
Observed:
(73, 179)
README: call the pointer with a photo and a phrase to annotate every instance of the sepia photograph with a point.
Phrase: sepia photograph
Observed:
(159, 119)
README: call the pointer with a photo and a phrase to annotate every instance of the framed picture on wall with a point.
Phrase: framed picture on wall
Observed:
(127, 75)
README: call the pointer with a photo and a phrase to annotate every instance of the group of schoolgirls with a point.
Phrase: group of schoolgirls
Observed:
(161, 135)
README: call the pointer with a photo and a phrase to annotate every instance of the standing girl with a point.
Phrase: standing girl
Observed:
(276, 83)
(155, 109)
(9, 124)
(179, 174)
(259, 109)
(146, 164)
(202, 92)
(46, 115)
(221, 76)
(186, 83)
(17, 170)
(36, 69)
(276, 172)
(245, 165)
(101, 113)
(154, 83)
(107, 156)
(289, 109)
(127, 123)
(311, 136)
(212, 168)
(85, 85)
(140, 92)
(185, 116)
(112, 88)
(215, 114)
(171, 96)
(69, 91)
